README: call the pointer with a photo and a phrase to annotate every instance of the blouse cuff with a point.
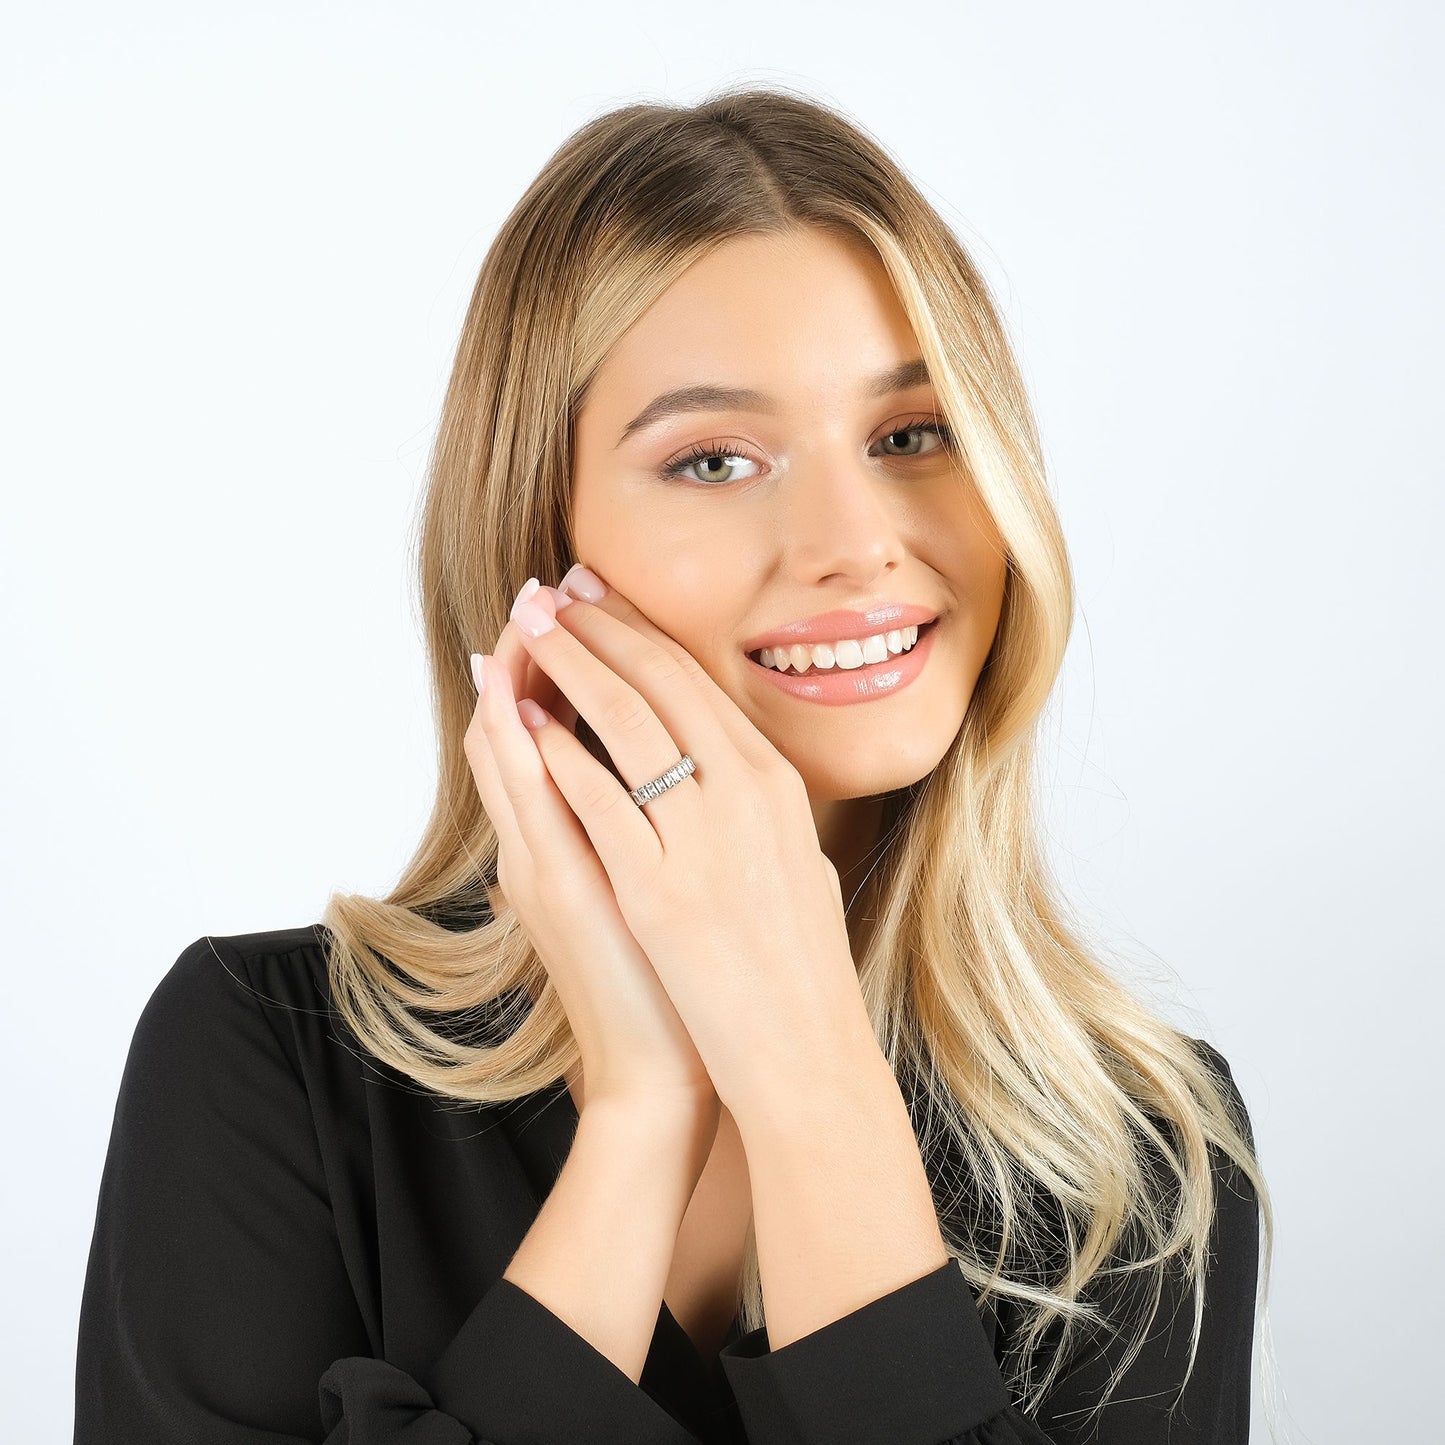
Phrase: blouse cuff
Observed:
(516, 1371)
(913, 1367)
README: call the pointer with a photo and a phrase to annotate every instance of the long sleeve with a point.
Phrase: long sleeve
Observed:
(288, 1250)
(219, 1307)
(916, 1366)
(913, 1367)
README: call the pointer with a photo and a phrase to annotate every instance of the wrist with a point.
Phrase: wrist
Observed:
(845, 1070)
(672, 1132)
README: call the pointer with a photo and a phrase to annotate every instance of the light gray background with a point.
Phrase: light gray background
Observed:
(237, 247)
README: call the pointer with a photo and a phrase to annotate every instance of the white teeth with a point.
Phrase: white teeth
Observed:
(839, 655)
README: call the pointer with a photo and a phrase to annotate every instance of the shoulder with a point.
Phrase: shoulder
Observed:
(221, 1114)
(1236, 1202)
(1219, 1067)
(219, 1007)
(223, 971)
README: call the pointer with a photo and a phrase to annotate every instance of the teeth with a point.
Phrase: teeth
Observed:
(836, 656)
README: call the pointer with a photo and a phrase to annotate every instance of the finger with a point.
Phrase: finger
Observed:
(543, 691)
(511, 655)
(623, 836)
(637, 699)
(512, 658)
(540, 816)
(560, 707)
(477, 746)
(592, 623)
(501, 753)
(529, 680)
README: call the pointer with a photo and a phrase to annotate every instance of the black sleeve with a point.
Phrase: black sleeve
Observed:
(915, 1367)
(217, 1308)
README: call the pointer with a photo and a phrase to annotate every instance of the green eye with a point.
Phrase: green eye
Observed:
(717, 452)
(936, 427)
(705, 452)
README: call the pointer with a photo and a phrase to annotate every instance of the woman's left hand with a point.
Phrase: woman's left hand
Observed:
(720, 878)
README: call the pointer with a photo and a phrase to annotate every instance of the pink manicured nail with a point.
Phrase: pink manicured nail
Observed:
(532, 619)
(531, 714)
(584, 582)
(478, 674)
(531, 616)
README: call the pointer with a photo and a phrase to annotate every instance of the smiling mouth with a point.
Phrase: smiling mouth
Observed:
(811, 671)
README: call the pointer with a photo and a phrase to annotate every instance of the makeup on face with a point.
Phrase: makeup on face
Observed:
(847, 681)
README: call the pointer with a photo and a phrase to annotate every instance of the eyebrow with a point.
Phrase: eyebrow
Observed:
(706, 397)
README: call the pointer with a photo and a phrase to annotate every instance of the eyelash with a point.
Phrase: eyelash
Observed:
(702, 451)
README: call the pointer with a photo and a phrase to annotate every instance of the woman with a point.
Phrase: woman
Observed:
(729, 970)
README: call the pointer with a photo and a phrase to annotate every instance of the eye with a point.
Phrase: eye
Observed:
(939, 430)
(723, 463)
(707, 452)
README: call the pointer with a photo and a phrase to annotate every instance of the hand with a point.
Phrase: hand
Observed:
(720, 879)
(632, 1042)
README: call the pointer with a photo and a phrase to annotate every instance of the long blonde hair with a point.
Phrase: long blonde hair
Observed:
(1073, 1117)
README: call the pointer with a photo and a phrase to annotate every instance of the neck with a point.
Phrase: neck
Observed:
(848, 832)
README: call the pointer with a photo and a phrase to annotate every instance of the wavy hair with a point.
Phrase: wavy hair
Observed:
(1070, 1119)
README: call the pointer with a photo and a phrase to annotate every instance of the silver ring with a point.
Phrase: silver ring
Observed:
(681, 769)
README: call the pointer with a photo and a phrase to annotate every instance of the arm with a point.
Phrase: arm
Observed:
(599, 1252)
(217, 1305)
(916, 1365)
(843, 1210)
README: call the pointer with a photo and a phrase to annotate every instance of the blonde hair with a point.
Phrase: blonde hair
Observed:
(1075, 1120)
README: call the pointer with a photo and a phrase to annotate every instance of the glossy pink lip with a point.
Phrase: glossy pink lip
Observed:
(843, 623)
(868, 683)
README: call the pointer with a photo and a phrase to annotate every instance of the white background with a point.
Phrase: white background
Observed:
(236, 250)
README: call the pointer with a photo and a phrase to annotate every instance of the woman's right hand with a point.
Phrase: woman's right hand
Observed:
(633, 1044)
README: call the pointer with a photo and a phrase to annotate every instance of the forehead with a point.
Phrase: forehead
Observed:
(805, 316)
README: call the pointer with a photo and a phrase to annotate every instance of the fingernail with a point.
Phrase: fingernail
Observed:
(530, 616)
(534, 716)
(584, 582)
(478, 675)
(560, 598)
(532, 619)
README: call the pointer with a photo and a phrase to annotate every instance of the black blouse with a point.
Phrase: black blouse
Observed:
(294, 1242)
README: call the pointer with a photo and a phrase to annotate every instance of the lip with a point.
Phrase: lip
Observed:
(842, 623)
(868, 683)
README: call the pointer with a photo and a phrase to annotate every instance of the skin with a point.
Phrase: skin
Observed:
(832, 498)
(802, 510)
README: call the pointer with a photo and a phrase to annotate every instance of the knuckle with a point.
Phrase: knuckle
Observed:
(518, 793)
(517, 885)
(626, 713)
(662, 667)
(780, 773)
(474, 740)
(601, 795)
(690, 668)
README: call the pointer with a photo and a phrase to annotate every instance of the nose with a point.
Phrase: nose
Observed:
(838, 514)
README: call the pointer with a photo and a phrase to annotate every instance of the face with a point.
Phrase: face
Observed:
(816, 494)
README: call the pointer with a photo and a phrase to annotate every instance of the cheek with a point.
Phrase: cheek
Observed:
(682, 589)
(673, 562)
(989, 575)
(687, 593)
(647, 543)
(980, 564)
